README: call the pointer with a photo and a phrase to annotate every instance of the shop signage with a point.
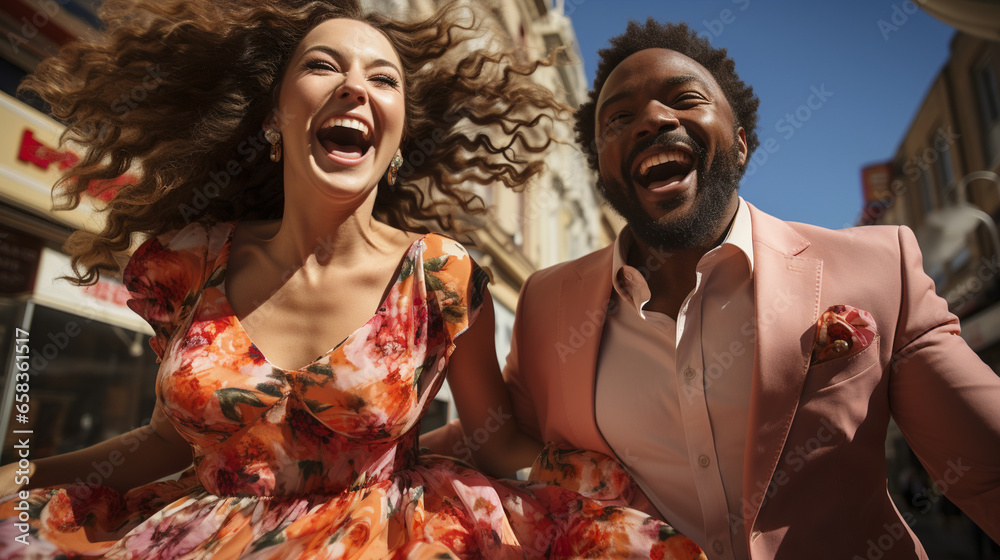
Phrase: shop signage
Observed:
(104, 301)
(36, 153)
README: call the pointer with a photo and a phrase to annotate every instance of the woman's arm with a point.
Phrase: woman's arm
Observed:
(498, 446)
(124, 462)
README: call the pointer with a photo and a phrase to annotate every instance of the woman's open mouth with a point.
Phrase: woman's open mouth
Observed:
(346, 139)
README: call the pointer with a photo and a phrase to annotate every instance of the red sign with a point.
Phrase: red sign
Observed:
(876, 183)
(34, 152)
(109, 292)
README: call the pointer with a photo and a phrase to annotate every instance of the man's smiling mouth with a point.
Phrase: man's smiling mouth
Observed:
(664, 166)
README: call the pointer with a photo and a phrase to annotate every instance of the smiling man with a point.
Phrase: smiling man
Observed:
(743, 368)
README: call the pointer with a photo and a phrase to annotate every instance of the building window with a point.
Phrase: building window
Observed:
(90, 381)
(944, 172)
(927, 191)
(989, 105)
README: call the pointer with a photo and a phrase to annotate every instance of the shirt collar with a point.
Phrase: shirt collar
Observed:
(740, 235)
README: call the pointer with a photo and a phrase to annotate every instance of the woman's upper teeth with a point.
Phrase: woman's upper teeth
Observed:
(348, 123)
(664, 157)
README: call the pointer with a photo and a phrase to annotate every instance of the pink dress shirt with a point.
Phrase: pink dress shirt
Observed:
(672, 397)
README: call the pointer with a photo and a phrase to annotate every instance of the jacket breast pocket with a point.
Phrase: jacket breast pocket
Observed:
(841, 370)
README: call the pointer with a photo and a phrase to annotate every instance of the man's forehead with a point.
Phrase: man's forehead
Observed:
(657, 63)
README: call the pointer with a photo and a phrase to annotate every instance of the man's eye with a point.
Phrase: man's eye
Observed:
(689, 98)
(617, 119)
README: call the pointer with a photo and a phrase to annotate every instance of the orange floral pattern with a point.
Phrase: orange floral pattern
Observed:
(322, 462)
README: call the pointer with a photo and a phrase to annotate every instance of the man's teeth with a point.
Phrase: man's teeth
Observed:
(664, 157)
(348, 123)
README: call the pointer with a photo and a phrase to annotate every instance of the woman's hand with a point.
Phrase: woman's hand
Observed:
(132, 459)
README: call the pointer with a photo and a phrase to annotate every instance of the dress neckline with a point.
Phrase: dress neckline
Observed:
(239, 325)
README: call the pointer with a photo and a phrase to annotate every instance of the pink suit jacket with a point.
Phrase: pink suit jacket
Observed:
(815, 469)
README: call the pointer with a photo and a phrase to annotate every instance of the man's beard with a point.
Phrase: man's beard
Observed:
(700, 226)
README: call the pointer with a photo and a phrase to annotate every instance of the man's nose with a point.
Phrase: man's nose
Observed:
(655, 117)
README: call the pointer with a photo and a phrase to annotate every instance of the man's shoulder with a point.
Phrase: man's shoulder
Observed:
(877, 238)
(810, 231)
(596, 262)
(768, 228)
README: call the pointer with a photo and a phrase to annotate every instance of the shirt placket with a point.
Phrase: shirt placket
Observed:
(694, 412)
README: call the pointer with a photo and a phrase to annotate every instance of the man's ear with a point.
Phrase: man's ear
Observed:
(741, 140)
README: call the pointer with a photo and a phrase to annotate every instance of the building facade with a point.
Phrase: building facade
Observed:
(89, 369)
(944, 183)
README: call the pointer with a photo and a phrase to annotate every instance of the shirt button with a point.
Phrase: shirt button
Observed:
(717, 547)
(689, 374)
(704, 461)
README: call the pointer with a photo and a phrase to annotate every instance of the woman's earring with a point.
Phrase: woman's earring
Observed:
(394, 165)
(274, 138)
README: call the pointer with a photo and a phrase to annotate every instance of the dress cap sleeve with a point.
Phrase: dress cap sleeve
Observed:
(457, 284)
(166, 273)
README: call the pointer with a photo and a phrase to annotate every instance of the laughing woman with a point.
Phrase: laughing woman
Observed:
(303, 315)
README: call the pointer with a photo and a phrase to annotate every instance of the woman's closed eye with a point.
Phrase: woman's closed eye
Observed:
(385, 80)
(318, 64)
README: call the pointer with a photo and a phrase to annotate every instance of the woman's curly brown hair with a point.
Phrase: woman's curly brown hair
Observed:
(175, 93)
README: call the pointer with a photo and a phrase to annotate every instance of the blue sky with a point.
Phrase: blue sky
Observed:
(864, 81)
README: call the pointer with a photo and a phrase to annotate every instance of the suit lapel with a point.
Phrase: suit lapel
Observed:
(787, 291)
(583, 306)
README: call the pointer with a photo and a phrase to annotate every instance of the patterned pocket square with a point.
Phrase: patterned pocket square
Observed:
(842, 330)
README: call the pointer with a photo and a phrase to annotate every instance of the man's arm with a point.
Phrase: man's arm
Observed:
(945, 400)
(513, 374)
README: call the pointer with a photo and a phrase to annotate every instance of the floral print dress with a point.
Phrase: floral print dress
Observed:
(322, 462)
